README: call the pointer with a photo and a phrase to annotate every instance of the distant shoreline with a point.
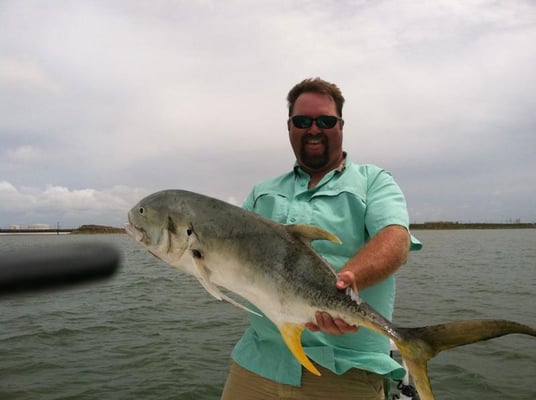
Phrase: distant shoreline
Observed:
(444, 225)
(84, 229)
(440, 225)
(89, 229)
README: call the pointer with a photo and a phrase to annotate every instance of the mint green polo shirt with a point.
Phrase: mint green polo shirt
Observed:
(354, 203)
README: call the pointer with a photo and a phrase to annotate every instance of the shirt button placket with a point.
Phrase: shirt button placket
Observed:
(298, 208)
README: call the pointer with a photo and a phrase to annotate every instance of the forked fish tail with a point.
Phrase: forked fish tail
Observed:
(418, 345)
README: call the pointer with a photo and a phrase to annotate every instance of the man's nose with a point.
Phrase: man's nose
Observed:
(314, 129)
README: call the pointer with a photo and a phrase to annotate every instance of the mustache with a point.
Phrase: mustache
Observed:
(310, 137)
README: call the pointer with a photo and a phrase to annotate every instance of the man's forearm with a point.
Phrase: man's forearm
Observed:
(378, 259)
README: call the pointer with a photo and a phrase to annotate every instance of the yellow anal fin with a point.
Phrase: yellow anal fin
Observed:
(291, 334)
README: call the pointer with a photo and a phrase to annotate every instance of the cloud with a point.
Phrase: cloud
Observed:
(26, 76)
(12, 200)
(27, 155)
(56, 203)
(98, 95)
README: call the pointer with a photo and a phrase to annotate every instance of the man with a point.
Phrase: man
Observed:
(365, 208)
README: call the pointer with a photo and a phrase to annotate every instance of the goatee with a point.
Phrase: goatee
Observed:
(314, 161)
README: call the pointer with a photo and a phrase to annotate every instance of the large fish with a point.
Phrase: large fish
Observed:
(274, 267)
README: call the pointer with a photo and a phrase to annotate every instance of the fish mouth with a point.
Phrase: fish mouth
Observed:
(137, 232)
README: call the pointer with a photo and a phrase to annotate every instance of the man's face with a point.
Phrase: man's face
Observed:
(316, 149)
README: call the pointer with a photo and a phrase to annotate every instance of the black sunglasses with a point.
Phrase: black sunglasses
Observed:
(323, 121)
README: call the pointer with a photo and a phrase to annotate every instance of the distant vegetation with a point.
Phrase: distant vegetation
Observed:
(470, 225)
(84, 229)
(98, 229)
(436, 225)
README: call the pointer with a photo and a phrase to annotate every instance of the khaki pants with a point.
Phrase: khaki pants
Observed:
(354, 385)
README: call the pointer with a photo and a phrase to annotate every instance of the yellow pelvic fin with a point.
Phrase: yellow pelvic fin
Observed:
(291, 334)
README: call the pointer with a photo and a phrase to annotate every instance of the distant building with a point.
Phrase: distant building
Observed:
(13, 227)
(39, 226)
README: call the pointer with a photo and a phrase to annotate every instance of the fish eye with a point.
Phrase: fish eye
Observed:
(141, 210)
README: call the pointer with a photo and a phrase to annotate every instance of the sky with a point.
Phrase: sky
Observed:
(104, 102)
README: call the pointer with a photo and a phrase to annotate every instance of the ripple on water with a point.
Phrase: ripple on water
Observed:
(154, 333)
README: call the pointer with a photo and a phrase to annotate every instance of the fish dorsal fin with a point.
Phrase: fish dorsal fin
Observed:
(307, 233)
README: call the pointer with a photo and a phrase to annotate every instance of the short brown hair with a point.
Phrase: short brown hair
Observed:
(315, 85)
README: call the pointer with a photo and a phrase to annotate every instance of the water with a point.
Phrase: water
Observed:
(153, 333)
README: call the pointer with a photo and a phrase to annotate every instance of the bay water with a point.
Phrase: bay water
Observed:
(152, 332)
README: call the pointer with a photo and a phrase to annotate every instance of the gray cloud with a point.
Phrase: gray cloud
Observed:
(96, 96)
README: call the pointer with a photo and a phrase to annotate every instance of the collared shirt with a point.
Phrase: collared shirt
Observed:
(354, 202)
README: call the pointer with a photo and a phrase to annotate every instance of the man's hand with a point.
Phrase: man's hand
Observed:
(325, 322)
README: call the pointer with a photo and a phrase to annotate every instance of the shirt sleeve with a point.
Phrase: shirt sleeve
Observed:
(386, 205)
(249, 201)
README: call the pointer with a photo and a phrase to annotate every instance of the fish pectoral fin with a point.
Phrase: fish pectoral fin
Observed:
(291, 334)
(204, 280)
(307, 233)
(237, 304)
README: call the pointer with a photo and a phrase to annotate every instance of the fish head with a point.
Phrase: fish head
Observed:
(156, 224)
